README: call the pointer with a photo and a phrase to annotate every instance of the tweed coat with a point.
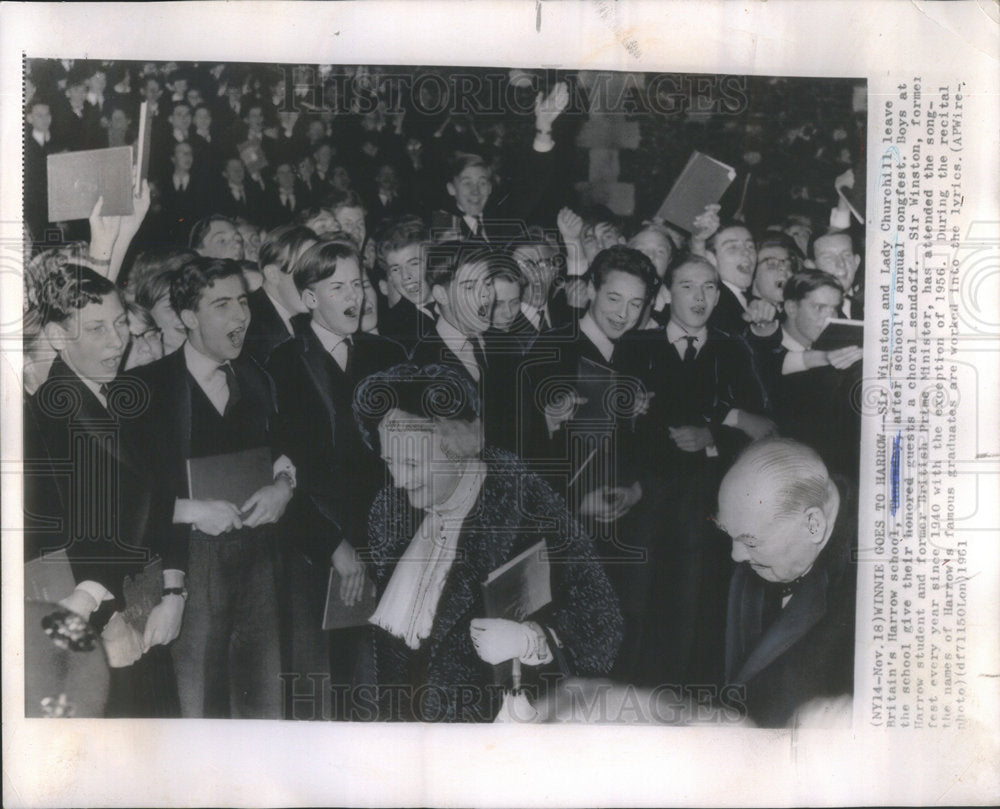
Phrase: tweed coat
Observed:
(445, 680)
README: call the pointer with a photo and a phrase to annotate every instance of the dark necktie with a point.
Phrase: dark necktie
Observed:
(104, 389)
(349, 364)
(232, 384)
(480, 356)
(690, 352)
(543, 321)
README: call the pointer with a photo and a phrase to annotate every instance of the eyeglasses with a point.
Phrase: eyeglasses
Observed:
(557, 262)
(150, 335)
(775, 263)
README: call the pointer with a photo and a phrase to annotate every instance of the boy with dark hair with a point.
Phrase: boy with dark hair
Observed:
(284, 198)
(216, 236)
(470, 181)
(459, 277)
(77, 123)
(834, 252)
(707, 401)
(99, 511)
(401, 260)
(734, 253)
(38, 145)
(209, 400)
(315, 376)
(508, 321)
(812, 389)
(274, 306)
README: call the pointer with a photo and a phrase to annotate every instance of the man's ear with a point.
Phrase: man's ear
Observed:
(710, 256)
(189, 319)
(817, 522)
(383, 287)
(591, 291)
(272, 274)
(56, 335)
(451, 188)
(309, 298)
(857, 261)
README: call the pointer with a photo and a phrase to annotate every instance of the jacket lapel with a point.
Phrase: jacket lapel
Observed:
(801, 613)
(317, 366)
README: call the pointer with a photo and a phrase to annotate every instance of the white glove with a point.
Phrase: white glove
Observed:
(122, 642)
(497, 640)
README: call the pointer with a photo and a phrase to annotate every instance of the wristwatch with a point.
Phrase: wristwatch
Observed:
(176, 591)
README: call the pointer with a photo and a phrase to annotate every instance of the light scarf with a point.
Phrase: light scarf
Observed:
(409, 604)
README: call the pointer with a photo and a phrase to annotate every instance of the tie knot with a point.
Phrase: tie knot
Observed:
(104, 389)
(783, 589)
(690, 352)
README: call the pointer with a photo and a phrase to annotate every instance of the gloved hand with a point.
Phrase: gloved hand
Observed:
(122, 642)
(497, 639)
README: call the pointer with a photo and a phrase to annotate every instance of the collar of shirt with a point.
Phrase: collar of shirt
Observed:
(460, 344)
(789, 342)
(597, 337)
(534, 313)
(329, 340)
(41, 138)
(472, 221)
(179, 136)
(236, 190)
(846, 306)
(95, 99)
(676, 334)
(206, 372)
(94, 388)
(181, 179)
(283, 313)
(740, 294)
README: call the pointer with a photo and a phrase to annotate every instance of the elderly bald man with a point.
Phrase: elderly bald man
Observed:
(790, 624)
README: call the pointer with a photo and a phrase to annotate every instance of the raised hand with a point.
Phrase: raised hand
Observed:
(549, 107)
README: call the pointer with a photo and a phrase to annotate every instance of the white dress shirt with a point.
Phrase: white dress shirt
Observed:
(460, 345)
(335, 344)
(741, 296)
(597, 337)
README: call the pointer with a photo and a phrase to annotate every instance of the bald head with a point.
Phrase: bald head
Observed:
(779, 505)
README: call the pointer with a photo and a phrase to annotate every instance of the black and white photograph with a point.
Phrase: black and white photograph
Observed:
(465, 312)
(366, 395)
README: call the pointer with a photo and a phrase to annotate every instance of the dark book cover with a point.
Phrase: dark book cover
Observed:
(595, 383)
(840, 333)
(49, 578)
(142, 592)
(702, 182)
(77, 179)
(517, 590)
(232, 477)
(337, 615)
